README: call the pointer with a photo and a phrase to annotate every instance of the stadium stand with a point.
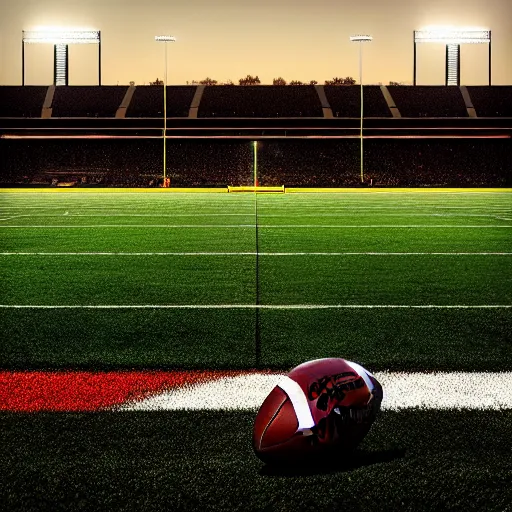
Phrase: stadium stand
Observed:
(428, 101)
(439, 162)
(22, 101)
(293, 163)
(388, 162)
(260, 101)
(108, 151)
(148, 101)
(345, 101)
(87, 101)
(493, 101)
(122, 163)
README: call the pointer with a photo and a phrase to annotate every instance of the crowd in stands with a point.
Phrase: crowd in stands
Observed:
(148, 101)
(255, 101)
(293, 163)
(493, 101)
(346, 101)
(260, 101)
(87, 101)
(428, 101)
(25, 101)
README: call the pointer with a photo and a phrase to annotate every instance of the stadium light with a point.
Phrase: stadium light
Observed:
(60, 38)
(165, 39)
(452, 38)
(361, 39)
(449, 36)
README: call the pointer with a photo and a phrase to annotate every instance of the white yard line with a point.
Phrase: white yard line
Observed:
(150, 215)
(254, 306)
(261, 226)
(279, 254)
(288, 208)
(159, 226)
(402, 390)
(251, 214)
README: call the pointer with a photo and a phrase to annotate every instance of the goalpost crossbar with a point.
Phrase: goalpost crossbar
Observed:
(256, 189)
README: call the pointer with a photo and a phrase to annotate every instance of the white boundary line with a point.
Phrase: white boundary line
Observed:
(248, 214)
(260, 226)
(402, 391)
(254, 253)
(254, 306)
(336, 207)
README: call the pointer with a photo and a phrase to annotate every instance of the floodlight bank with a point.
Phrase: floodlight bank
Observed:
(165, 38)
(453, 36)
(361, 38)
(62, 37)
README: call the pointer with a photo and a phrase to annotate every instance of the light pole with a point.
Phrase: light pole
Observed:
(255, 163)
(165, 40)
(361, 39)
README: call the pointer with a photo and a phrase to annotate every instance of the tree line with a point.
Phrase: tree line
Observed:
(254, 80)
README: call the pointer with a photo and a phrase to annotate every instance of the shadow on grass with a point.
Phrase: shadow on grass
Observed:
(359, 458)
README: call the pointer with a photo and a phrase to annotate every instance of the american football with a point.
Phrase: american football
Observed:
(321, 408)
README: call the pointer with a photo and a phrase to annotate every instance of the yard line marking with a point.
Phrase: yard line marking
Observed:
(248, 214)
(156, 214)
(402, 390)
(272, 206)
(18, 216)
(254, 253)
(382, 226)
(36, 391)
(231, 226)
(254, 306)
(160, 226)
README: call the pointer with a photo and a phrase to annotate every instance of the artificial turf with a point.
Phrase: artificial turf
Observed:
(184, 460)
(386, 248)
(411, 460)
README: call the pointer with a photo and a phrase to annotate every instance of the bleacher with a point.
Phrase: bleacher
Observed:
(345, 101)
(87, 101)
(22, 101)
(294, 163)
(428, 101)
(148, 101)
(303, 148)
(260, 101)
(493, 101)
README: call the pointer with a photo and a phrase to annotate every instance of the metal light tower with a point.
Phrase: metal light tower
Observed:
(165, 40)
(60, 38)
(453, 38)
(361, 39)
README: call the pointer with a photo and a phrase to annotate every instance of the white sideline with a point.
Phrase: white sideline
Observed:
(402, 390)
(262, 226)
(255, 253)
(255, 306)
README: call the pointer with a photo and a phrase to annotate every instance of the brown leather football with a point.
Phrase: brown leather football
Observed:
(321, 408)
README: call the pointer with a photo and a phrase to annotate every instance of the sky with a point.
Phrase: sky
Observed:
(228, 39)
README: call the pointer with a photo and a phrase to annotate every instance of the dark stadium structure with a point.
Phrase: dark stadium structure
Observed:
(308, 136)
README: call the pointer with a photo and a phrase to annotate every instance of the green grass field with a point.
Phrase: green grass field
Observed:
(396, 280)
(174, 250)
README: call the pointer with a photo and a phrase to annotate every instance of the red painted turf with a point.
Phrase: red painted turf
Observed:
(33, 391)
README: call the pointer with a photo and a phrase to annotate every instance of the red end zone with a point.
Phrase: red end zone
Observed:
(31, 391)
